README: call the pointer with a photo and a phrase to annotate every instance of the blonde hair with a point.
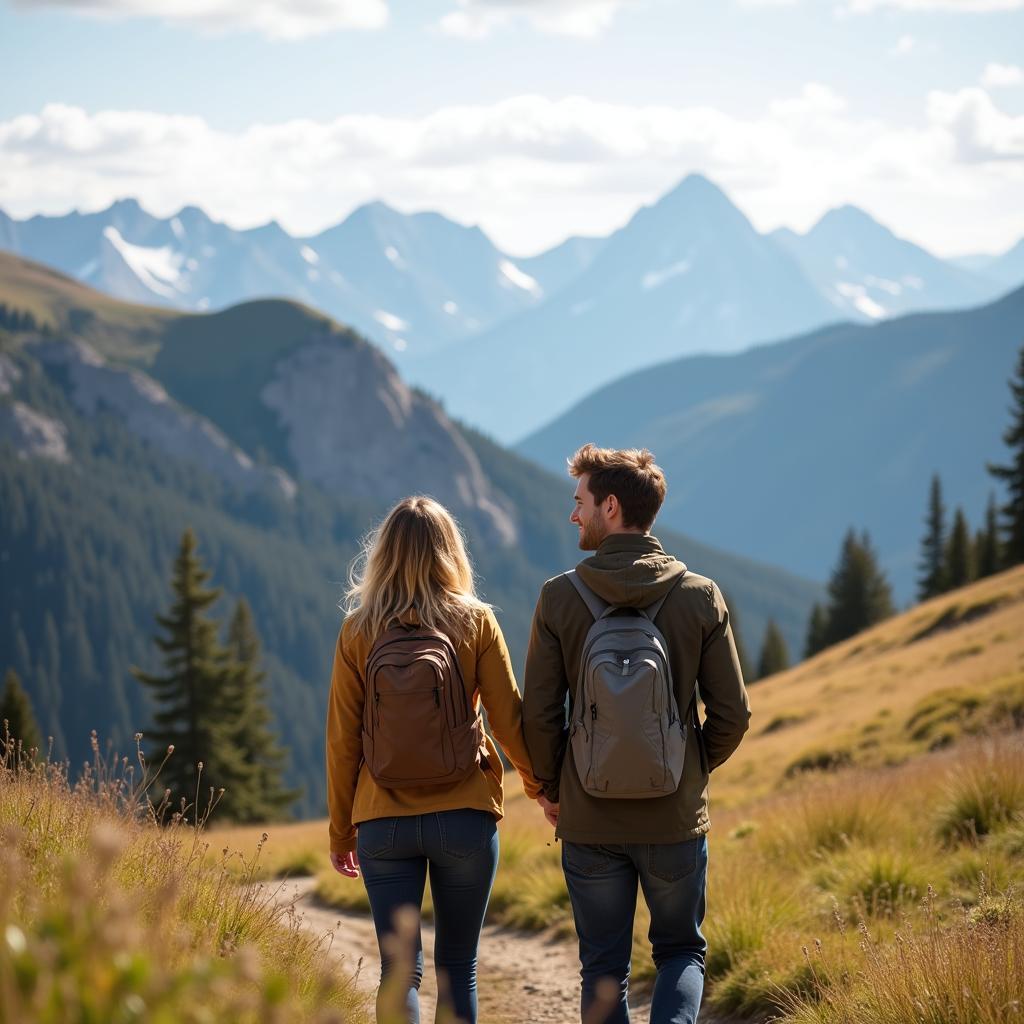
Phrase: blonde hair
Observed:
(416, 559)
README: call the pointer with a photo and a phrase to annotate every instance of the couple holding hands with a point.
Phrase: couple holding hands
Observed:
(606, 738)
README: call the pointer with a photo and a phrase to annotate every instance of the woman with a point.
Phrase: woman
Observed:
(413, 782)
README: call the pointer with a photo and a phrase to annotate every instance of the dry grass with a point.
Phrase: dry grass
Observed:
(111, 912)
(969, 970)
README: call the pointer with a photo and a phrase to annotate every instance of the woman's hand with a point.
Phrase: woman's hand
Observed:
(346, 864)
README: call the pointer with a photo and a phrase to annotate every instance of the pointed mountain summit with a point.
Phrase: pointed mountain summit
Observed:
(687, 274)
(869, 273)
(425, 279)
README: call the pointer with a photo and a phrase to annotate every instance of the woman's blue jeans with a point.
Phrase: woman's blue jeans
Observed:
(460, 850)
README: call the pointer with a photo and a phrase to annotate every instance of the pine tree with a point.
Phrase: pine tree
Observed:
(859, 594)
(16, 710)
(933, 546)
(193, 696)
(1013, 474)
(774, 653)
(266, 798)
(817, 627)
(986, 554)
(959, 570)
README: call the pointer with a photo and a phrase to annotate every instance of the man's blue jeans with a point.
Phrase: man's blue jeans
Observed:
(602, 883)
(460, 850)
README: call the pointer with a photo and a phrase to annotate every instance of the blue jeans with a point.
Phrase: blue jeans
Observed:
(460, 850)
(602, 883)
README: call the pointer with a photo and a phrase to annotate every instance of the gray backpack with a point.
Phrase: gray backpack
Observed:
(626, 734)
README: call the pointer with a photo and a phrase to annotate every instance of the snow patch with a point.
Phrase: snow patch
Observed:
(311, 256)
(390, 321)
(86, 270)
(178, 228)
(656, 278)
(451, 308)
(158, 269)
(892, 287)
(394, 257)
(519, 279)
(857, 294)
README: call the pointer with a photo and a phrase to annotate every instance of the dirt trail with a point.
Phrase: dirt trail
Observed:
(523, 977)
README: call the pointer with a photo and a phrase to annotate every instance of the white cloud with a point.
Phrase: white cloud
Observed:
(277, 19)
(531, 170)
(904, 45)
(980, 132)
(996, 76)
(953, 6)
(475, 19)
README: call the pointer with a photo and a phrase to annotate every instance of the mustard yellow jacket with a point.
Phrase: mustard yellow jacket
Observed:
(352, 794)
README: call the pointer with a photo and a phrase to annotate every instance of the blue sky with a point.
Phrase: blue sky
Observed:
(534, 119)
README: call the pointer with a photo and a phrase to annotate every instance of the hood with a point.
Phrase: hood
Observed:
(630, 569)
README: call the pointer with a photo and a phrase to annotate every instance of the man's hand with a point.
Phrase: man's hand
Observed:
(346, 864)
(550, 810)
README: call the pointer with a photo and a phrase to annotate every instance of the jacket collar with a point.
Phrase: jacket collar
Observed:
(638, 543)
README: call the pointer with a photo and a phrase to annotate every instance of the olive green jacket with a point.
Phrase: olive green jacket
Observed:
(633, 570)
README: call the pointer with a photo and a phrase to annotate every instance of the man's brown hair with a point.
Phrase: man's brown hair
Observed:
(631, 474)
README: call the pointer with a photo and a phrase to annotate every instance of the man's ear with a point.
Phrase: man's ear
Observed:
(611, 506)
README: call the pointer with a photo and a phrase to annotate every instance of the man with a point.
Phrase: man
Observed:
(610, 844)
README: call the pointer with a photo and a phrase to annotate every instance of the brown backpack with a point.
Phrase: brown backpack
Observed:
(419, 724)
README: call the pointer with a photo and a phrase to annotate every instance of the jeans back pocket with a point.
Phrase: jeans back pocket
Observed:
(464, 832)
(376, 838)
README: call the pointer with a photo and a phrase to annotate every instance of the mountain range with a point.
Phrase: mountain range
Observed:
(688, 274)
(280, 436)
(777, 450)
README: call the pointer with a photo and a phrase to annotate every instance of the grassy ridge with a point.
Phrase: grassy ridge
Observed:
(950, 667)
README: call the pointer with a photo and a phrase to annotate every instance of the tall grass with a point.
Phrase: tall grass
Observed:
(110, 911)
(968, 970)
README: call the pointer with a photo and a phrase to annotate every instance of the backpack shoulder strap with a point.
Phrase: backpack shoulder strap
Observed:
(594, 604)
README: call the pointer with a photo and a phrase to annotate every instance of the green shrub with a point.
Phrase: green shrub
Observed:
(819, 759)
(982, 795)
(871, 882)
(784, 721)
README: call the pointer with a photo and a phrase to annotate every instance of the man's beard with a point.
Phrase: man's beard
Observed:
(594, 531)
